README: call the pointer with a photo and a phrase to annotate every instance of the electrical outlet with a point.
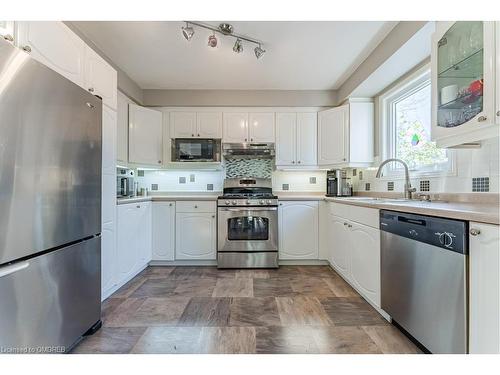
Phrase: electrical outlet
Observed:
(354, 171)
(360, 174)
(285, 187)
(390, 186)
(182, 180)
(367, 186)
(191, 178)
(312, 180)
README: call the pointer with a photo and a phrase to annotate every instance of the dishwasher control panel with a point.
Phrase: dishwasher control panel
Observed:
(445, 233)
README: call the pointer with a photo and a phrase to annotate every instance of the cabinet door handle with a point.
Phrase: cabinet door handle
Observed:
(293, 161)
(213, 216)
(8, 38)
(298, 162)
(195, 206)
(482, 118)
(245, 139)
(137, 206)
(91, 89)
(170, 204)
(192, 135)
(498, 112)
(159, 161)
(198, 135)
(474, 232)
(251, 139)
(27, 49)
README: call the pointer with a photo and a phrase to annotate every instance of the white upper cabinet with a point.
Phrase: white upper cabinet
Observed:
(298, 230)
(145, 135)
(463, 82)
(163, 224)
(332, 132)
(196, 125)
(209, 125)
(484, 279)
(7, 30)
(307, 139)
(286, 138)
(100, 78)
(261, 127)
(346, 135)
(296, 139)
(497, 72)
(122, 128)
(183, 124)
(235, 127)
(55, 45)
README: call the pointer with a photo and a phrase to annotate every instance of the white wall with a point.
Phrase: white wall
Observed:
(483, 162)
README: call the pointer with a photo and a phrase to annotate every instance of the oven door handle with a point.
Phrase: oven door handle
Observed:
(240, 209)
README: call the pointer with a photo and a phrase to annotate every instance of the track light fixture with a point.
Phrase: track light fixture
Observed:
(238, 46)
(225, 29)
(187, 31)
(259, 52)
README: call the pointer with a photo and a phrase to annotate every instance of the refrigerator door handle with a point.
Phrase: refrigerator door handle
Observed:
(12, 268)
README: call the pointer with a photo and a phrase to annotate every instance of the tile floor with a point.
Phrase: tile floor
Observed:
(294, 309)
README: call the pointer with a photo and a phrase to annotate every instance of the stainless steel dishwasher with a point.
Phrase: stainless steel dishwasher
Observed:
(424, 278)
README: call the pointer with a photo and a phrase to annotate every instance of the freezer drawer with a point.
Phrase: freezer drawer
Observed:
(50, 300)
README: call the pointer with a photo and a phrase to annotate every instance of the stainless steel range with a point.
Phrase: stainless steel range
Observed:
(247, 224)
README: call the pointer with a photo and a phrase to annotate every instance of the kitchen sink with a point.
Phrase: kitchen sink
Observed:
(388, 200)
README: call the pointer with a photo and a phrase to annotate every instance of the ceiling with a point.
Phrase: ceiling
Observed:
(300, 55)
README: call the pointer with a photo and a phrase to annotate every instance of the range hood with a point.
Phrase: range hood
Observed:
(248, 150)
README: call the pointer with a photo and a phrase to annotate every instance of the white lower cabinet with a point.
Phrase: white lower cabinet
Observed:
(484, 278)
(298, 230)
(354, 250)
(195, 230)
(163, 225)
(133, 239)
(364, 243)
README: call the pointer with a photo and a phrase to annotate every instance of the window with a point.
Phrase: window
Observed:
(406, 119)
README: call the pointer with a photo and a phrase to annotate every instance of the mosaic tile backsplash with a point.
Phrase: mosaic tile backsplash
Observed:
(260, 168)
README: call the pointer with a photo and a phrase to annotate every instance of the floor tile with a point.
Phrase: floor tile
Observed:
(344, 340)
(311, 286)
(170, 340)
(351, 311)
(316, 271)
(391, 340)
(186, 272)
(228, 340)
(122, 313)
(233, 288)
(157, 272)
(195, 287)
(130, 287)
(108, 307)
(161, 287)
(339, 287)
(206, 312)
(284, 271)
(301, 311)
(254, 312)
(118, 340)
(273, 287)
(252, 273)
(157, 312)
(285, 340)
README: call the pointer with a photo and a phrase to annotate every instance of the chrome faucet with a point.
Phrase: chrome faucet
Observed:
(408, 189)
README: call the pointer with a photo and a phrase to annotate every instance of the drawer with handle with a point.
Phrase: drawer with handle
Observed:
(195, 206)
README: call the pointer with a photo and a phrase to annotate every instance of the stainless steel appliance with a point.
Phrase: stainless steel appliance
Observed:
(50, 204)
(195, 150)
(248, 150)
(247, 224)
(125, 182)
(424, 278)
(338, 184)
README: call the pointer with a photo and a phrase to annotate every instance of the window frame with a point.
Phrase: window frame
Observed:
(403, 89)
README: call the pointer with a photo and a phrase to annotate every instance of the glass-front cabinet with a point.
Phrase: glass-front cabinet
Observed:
(463, 82)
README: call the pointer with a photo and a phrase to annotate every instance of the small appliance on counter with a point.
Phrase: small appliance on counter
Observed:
(338, 184)
(124, 183)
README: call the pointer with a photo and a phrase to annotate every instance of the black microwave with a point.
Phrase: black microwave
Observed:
(196, 150)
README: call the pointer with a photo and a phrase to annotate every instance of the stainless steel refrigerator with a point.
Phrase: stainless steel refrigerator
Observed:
(50, 207)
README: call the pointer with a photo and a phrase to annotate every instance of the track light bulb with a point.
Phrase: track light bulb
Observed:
(188, 32)
(238, 46)
(259, 51)
(212, 41)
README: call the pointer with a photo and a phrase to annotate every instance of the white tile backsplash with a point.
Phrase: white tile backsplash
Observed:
(481, 162)
(299, 181)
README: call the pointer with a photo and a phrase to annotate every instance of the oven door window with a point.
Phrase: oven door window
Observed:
(246, 228)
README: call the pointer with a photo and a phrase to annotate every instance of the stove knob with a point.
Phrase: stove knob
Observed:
(234, 203)
(227, 202)
(262, 202)
(248, 201)
(269, 201)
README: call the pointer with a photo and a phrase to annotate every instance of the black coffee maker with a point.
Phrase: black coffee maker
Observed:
(338, 184)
